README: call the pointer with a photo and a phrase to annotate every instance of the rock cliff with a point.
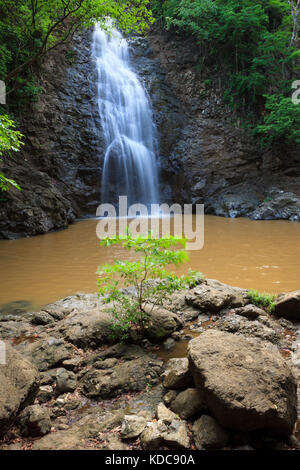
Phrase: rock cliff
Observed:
(204, 154)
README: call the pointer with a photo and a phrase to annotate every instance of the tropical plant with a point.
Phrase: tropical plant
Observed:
(10, 141)
(262, 299)
(34, 27)
(281, 123)
(148, 275)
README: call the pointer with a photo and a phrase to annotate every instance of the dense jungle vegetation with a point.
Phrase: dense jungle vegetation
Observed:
(256, 44)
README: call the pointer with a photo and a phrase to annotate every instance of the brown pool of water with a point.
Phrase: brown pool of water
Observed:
(263, 255)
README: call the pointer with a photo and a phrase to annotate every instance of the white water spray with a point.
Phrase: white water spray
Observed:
(129, 166)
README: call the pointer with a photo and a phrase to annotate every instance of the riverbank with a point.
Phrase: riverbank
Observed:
(212, 371)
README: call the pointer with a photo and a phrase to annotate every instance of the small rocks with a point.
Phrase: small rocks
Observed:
(250, 311)
(45, 393)
(246, 383)
(133, 426)
(168, 430)
(66, 381)
(162, 324)
(176, 335)
(208, 434)
(169, 344)
(288, 306)
(35, 421)
(177, 374)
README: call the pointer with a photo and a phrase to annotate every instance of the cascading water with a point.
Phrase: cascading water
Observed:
(129, 166)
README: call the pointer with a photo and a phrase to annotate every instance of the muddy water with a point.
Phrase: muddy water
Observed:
(263, 255)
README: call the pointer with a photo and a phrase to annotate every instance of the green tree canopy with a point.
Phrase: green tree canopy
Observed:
(10, 140)
(31, 28)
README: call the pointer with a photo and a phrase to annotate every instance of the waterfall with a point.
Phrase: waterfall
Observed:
(129, 166)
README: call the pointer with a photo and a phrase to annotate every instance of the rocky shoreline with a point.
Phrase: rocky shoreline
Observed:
(212, 371)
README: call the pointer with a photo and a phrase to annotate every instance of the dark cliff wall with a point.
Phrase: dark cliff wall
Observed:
(59, 168)
(209, 158)
(205, 157)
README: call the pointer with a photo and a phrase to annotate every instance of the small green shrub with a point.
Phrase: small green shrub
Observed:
(262, 299)
(151, 281)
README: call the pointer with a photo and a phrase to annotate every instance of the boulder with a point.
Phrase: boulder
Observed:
(88, 328)
(152, 436)
(177, 374)
(250, 311)
(208, 434)
(19, 383)
(158, 434)
(214, 296)
(164, 414)
(162, 323)
(246, 383)
(288, 305)
(34, 421)
(188, 403)
(133, 426)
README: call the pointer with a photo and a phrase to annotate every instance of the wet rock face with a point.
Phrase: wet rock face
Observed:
(169, 430)
(246, 383)
(59, 169)
(177, 375)
(188, 403)
(211, 160)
